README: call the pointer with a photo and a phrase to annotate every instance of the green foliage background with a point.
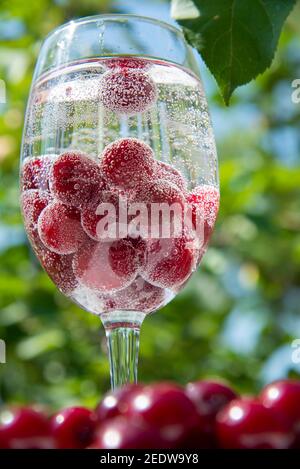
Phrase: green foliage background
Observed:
(238, 316)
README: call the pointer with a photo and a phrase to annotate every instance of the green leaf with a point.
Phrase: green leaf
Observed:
(236, 38)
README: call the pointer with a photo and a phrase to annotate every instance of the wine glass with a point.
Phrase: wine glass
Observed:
(119, 174)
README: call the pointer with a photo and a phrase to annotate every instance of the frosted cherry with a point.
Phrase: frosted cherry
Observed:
(76, 179)
(127, 90)
(127, 163)
(60, 229)
(169, 262)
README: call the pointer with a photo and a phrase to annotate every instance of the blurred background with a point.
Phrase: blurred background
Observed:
(238, 316)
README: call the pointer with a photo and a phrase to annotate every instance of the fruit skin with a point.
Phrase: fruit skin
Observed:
(25, 428)
(127, 91)
(284, 396)
(119, 433)
(73, 427)
(106, 266)
(35, 172)
(209, 397)
(247, 424)
(115, 403)
(75, 179)
(167, 407)
(127, 163)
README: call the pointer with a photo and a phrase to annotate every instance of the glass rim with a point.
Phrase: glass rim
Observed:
(91, 18)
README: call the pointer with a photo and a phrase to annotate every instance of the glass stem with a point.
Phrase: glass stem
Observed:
(123, 338)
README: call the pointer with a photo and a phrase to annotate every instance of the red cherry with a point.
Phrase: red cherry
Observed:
(166, 407)
(170, 174)
(59, 268)
(73, 427)
(115, 403)
(169, 262)
(159, 192)
(33, 203)
(60, 229)
(90, 219)
(127, 162)
(247, 424)
(106, 266)
(24, 428)
(209, 397)
(204, 201)
(76, 179)
(119, 433)
(284, 396)
(127, 91)
(35, 172)
(139, 296)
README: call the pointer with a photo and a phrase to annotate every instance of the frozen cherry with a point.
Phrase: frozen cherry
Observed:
(127, 91)
(76, 179)
(33, 203)
(115, 403)
(169, 262)
(170, 174)
(209, 397)
(163, 203)
(204, 201)
(35, 172)
(119, 433)
(59, 268)
(127, 162)
(138, 296)
(92, 215)
(73, 427)
(60, 229)
(284, 396)
(247, 424)
(24, 428)
(166, 407)
(106, 266)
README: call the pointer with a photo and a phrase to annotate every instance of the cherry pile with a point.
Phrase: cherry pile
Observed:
(204, 414)
(60, 196)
